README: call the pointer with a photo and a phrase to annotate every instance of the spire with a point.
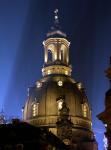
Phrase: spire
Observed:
(2, 116)
(56, 28)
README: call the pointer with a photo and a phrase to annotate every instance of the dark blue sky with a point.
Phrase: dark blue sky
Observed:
(23, 27)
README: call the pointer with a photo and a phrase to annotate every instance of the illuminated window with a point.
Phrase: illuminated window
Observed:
(85, 110)
(39, 84)
(35, 108)
(79, 85)
(60, 102)
(60, 83)
(66, 72)
(48, 72)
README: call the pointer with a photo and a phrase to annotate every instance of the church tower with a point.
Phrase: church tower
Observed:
(58, 102)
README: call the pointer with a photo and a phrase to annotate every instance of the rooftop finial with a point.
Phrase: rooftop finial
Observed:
(56, 28)
(56, 16)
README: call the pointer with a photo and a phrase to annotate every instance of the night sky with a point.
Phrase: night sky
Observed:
(23, 27)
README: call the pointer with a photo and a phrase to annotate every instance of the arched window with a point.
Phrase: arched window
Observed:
(60, 102)
(63, 52)
(62, 55)
(35, 109)
(85, 110)
(50, 57)
(51, 51)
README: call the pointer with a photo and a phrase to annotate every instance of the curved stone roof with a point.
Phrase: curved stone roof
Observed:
(48, 93)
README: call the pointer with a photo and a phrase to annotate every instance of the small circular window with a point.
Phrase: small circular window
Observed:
(60, 83)
(39, 84)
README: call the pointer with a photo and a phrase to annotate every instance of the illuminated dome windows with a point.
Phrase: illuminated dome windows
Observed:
(38, 84)
(79, 85)
(60, 83)
(35, 109)
(60, 102)
(60, 99)
(49, 72)
(66, 72)
(85, 110)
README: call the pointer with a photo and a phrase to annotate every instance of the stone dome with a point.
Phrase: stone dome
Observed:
(48, 92)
